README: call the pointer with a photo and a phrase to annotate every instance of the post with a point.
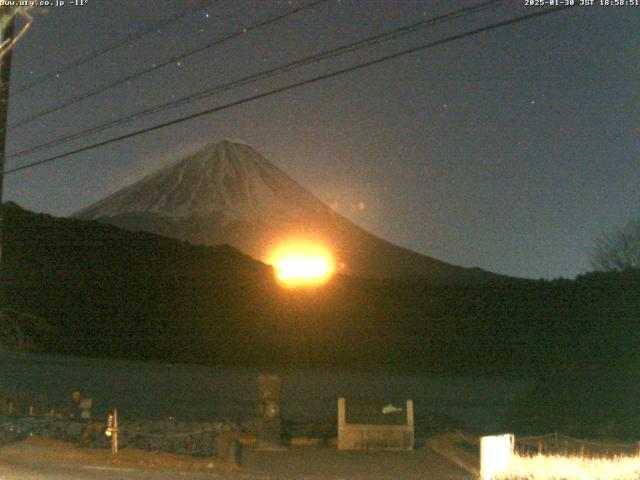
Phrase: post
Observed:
(410, 437)
(5, 76)
(114, 435)
(410, 414)
(342, 423)
(342, 412)
(269, 424)
(112, 430)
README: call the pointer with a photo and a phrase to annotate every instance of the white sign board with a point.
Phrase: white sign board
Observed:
(495, 455)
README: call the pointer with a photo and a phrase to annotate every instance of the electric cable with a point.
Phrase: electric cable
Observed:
(285, 88)
(269, 73)
(107, 48)
(154, 67)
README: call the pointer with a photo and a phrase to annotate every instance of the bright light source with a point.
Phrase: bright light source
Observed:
(495, 456)
(302, 264)
(292, 267)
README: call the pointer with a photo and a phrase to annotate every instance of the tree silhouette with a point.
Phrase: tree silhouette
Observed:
(619, 250)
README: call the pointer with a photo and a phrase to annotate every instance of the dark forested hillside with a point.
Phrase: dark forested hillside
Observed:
(114, 293)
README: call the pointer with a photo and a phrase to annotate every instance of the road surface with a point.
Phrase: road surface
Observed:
(36, 459)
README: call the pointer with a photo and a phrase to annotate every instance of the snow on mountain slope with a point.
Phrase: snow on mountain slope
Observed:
(229, 193)
(228, 178)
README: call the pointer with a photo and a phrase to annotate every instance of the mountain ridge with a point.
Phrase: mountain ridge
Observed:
(112, 293)
(229, 193)
(238, 173)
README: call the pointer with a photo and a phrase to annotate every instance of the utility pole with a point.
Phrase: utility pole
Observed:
(6, 32)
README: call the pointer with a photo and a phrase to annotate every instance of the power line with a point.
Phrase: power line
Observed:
(285, 88)
(269, 73)
(106, 49)
(170, 61)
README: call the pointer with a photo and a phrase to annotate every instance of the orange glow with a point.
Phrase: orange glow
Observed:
(302, 264)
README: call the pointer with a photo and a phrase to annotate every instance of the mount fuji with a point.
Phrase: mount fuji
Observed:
(228, 193)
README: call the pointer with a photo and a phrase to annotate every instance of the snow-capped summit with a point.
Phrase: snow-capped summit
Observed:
(227, 193)
(230, 179)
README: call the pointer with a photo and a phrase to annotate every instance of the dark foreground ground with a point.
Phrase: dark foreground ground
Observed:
(35, 459)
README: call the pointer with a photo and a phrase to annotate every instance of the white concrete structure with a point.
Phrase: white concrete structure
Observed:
(361, 436)
(495, 455)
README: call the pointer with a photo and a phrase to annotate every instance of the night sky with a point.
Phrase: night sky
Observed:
(511, 150)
